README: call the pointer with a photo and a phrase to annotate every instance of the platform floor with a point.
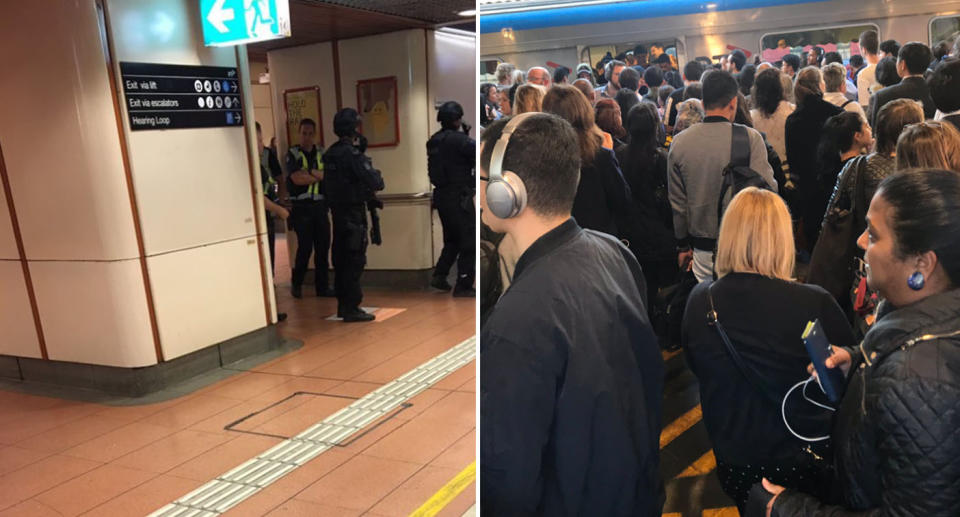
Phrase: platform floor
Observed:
(65, 458)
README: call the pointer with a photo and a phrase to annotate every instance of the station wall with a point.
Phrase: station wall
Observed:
(64, 159)
(428, 67)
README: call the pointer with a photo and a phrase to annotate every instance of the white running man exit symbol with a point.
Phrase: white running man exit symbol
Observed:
(257, 15)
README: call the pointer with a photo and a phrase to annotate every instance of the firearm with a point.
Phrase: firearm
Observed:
(375, 236)
(465, 127)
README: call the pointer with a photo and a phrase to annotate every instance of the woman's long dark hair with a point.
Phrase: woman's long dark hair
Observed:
(642, 124)
(767, 92)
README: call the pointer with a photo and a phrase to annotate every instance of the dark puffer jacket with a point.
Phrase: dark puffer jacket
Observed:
(897, 434)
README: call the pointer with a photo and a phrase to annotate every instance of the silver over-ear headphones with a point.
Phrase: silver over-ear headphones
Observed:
(506, 195)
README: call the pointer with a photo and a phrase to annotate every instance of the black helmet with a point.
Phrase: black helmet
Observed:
(449, 112)
(345, 122)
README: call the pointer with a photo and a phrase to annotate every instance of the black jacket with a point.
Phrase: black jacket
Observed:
(802, 135)
(451, 159)
(897, 432)
(953, 119)
(571, 382)
(603, 201)
(764, 318)
(650, 231)
(348, 175)
(908, 88)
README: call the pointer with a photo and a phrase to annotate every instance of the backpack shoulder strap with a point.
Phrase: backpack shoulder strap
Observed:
(844, 105)
(740, 146)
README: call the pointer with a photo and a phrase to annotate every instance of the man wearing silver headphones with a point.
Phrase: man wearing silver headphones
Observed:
(571, 375)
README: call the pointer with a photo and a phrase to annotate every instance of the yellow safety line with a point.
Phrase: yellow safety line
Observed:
(729, 511)
(703, 465)
(680, 425)
(449, 491)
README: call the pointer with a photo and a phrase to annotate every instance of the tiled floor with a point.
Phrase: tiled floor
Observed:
(60, 457)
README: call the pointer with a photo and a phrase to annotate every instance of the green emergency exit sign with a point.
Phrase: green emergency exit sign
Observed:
(235, 22)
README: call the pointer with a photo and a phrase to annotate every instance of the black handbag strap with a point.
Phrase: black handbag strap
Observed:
(759, 384)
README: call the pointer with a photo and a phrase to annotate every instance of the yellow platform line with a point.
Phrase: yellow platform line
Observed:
(680, 425)
(729, 511)
(449, 491)
(704, 465)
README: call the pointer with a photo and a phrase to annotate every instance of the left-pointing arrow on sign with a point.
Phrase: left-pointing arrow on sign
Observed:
(218, 15)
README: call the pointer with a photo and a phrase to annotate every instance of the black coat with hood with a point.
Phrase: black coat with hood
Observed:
(897, 432)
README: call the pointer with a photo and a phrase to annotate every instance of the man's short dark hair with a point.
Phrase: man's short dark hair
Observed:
(653, 76)
(308, 122)
(890, 47)
(869, 41)
(719, 88)
(856, 61)
(738, 58)
(692, 70)
(793, 60)
(560, 74)
(945, 85)
(832, 57)
(886, 71)
(545, 154)
(663, 59)
(630, 78)
(916, 56)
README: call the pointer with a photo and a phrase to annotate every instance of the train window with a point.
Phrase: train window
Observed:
(843, 39)
(942, 27)
(488, 70)
(594, 54)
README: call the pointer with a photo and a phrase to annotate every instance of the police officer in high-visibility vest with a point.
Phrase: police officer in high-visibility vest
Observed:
(350, 185)
(451, 161)
(309, 217)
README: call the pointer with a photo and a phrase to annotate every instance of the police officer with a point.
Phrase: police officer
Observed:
(309, 218)
(451, 161)
(350, 185)
(269, 172)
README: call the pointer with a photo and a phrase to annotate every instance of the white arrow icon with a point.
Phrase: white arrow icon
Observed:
(218, 15)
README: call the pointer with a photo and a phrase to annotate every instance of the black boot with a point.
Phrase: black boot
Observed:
(358, 315)
(296, 291)
(326, 292)
(440, 282)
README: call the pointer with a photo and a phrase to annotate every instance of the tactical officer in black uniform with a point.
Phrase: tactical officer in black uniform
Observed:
(451, 161)
(309, 218)
(350, 184)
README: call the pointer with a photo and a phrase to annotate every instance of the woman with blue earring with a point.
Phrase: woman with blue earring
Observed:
(897, 448)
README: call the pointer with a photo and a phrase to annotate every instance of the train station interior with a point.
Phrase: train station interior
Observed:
(152, 359)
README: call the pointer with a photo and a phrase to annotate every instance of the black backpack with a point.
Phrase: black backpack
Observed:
(738, 175)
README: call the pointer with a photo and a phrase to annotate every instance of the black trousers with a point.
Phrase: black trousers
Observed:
(457, 217)
(271, 241)
(349, 254)
(312, 225)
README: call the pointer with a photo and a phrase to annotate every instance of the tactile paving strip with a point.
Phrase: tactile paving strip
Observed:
(230, 488)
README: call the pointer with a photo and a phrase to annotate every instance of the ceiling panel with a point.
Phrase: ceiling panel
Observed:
(314, 21)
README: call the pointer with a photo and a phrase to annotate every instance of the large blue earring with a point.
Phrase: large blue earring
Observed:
(916, 281)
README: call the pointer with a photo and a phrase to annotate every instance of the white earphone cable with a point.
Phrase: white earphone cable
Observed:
(783, 410)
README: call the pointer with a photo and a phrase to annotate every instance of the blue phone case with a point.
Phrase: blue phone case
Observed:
(818, 348)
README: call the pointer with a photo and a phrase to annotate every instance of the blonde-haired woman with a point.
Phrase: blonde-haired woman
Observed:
(529, 97)
(763, 313)
(929, 145)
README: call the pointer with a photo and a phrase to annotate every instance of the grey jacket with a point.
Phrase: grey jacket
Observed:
(695, 165)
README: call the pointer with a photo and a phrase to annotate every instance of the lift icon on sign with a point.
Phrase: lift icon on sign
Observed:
(197, 85)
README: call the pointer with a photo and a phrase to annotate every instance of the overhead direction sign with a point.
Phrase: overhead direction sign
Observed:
(235, 22)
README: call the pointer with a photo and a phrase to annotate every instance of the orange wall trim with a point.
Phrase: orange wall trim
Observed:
(135, 212)
(255, 177)
(23, 257)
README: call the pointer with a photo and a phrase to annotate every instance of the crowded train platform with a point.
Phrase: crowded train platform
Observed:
(718, 259)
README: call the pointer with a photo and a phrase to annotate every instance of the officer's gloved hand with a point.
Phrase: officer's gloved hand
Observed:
(361, 143)
(465, 127)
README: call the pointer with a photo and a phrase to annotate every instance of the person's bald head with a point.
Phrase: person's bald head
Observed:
(539, 75)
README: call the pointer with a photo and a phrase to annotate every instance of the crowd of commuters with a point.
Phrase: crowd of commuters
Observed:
(615, 183)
